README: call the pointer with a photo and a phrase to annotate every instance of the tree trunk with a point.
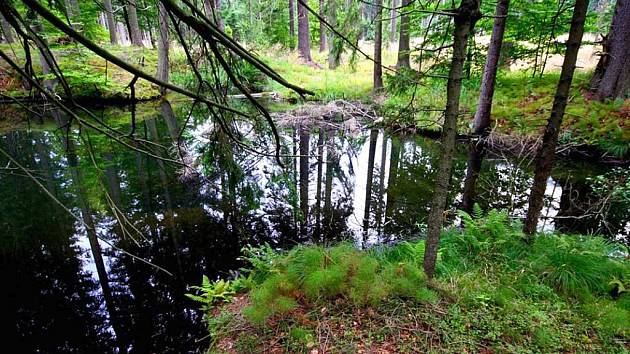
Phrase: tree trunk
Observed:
(213, 12)
(322, 28)
(546, 154)
(111, 24)
(36, 26)
(219, 18)
(73, 11)
(134, 27)
(392, 22)
(403, 42)
(7, 30)
(611, 78)
(163, 48)
(482, 116)
(333, 57)
(465, 18)
(304, 36)
(292, 18)
(378, 44)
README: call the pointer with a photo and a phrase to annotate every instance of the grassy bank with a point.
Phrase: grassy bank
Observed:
(493, 293)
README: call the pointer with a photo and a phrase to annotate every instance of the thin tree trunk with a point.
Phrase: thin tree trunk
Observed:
(378, 44)
(333, 57)
(163, 48)
(7, 30)
(546, 154)
(482, 116)
(36, 25)
(611, 78)
(213, 12)
(134, 27)
(304, 37)
(73, 11)
(465, 18)
(322, 28)
(292, 18)
(403, 42)
(392, 22)
(219, 18)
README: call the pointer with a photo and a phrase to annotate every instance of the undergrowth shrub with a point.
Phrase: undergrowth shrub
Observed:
(315, 273)
(575, 266)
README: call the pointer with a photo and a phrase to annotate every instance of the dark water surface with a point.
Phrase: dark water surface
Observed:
(66, 291)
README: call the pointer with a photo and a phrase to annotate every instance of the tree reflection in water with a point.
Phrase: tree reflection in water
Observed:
(369, 188)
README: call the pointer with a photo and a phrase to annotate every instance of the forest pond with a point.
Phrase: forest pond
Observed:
(346, 183)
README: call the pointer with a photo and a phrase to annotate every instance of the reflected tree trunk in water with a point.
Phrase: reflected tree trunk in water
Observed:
(318, 190)
(43, 149)
(304, 170)
(170, 215)
(112, 179)
(475, 159)
(381, 186)
(331, 158)
(368, 184)
(394, 158)
(143, 179)
(95, 247)
(171, 121)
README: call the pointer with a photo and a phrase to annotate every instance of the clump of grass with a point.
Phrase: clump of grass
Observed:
(315, 274)
(574, 265)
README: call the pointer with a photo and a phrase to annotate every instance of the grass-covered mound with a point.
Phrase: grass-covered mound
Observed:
(493, 293)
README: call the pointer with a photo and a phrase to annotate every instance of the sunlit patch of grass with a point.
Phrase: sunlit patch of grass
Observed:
(352, 82)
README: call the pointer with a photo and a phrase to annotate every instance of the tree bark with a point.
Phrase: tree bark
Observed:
(403, 42)
(322, 28)
(213, 12)
(546, 154)
(465, 18)
(611, 78)
(333, 58)
(378, 44)
(111, 24)
(392, 22)
(292, 18)
(482, 116)
(304, 34)
(7, 30)
(73, 11)
(134, 27)
(163, 48)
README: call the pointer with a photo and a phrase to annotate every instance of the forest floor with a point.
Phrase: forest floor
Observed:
(493, 293)
(522, 103)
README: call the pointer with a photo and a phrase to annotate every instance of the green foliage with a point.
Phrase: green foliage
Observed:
(315, 273)
(574, 265)
(210, 293)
